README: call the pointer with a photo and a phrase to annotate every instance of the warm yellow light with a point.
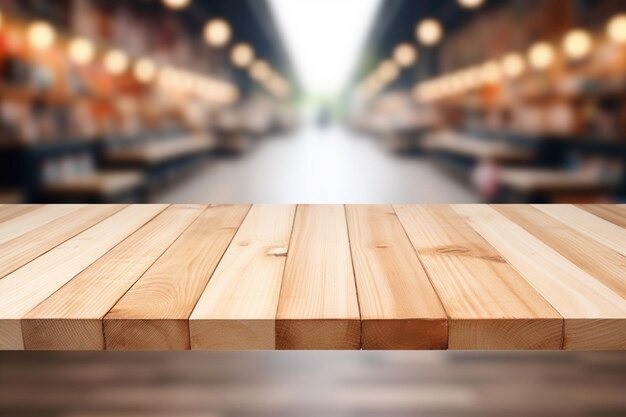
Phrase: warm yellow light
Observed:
(176, 4)
(429, 32)
(217, 32)
(41, 35)
(513, 65)
(577, 44)
(145, 70)
(168, 77)
(116, 61)
(388, 71)
(405, 55)
(541, 56)
(242, 55)
(491, 73)
(616, 29)
(260, 71)
(81, 51)
(471, 4)
(0, 19)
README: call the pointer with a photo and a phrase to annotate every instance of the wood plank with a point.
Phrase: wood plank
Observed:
(154, 313)
(22, 250)
(237, 310)
(599, 261)
(594, 315)
(605, 232)
(489, 304)
(30, 221)
(613, 213)
(399, 307)
(318, 306)
(11, 211)
(71, 319)
(25, 288)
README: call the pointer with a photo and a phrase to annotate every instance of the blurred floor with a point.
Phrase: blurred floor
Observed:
(277, 384)
(321, 167)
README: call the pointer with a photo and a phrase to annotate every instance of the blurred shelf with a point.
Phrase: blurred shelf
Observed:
(481, 150)
(160, 151)
(529, 180)
(100, 185)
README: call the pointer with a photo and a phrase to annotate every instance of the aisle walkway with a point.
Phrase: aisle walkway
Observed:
(322, 167)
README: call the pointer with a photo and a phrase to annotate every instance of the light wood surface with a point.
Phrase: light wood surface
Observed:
(25, 288)
(613, 213)
(605, 232)
(318, 307)
(593, 313)
(9, 211)
(238, 308)
(71, 319)
(489, 304)
(312, 277)
(399, 307)
(154, 313)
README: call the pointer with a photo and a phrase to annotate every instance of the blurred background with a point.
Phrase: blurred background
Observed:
(312, 101)
(278, 101)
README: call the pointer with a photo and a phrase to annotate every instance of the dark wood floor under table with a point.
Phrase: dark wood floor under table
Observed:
(302, 384)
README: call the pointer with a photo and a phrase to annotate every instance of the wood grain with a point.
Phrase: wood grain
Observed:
(399, 307)
(571, 291)
(330, 277)
(318, 306)
(154, 313)
(22, 250)
(25, 288)
(238, 308)
(605, 232)
(489, 304)
(71, 319)
(33, 220)
(613, 213)
(599, 261)
(11, 211)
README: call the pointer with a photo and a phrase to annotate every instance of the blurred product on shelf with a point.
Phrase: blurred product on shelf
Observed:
(97, 96)
(536, 113)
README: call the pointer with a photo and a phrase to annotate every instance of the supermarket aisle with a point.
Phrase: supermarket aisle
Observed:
(321, 167)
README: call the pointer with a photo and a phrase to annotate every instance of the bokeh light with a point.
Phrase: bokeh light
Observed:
(41, 35)
(217, 32)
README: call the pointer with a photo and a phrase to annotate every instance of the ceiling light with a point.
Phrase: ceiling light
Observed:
(429, 32)
(41, 35)
(116, 61)
(513, 65)
(260, 71)
(470, 4)
(144, 70)
(217, 32)
(491, 73)
(81, 51)
(176, 4)
(405, 55)
(242, 55)
(541, 55)
(616, 29)
(577, 44)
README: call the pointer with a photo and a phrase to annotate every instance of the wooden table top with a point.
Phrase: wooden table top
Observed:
(159, 277)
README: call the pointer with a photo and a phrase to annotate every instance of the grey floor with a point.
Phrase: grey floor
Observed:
(286, 384)
(319, 167)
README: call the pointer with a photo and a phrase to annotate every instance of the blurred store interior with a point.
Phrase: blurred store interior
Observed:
(276, 101)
